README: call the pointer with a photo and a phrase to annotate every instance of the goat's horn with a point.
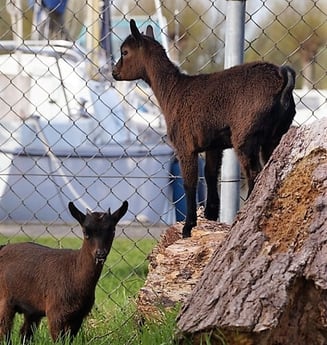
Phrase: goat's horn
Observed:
(88, 211)
(149, 31)
(109, 212)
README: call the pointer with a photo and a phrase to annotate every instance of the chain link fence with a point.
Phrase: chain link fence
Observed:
(68, 132)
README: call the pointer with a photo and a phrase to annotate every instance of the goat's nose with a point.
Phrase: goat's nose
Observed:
(115, 72)
(100, 253)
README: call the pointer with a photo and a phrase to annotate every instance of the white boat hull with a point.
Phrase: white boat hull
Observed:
(32, 188)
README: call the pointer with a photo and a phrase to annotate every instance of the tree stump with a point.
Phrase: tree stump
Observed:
(176, 264)
(266, 284)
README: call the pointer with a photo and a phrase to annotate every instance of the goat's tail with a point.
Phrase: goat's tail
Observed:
(289, 83)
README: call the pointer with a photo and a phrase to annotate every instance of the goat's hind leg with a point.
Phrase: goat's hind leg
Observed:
(7, 314)
(249, 157)
(211, 171)
(251, 167)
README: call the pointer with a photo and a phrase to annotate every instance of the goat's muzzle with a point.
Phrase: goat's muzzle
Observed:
(116, 75)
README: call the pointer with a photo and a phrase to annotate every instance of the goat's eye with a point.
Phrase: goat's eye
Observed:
(124, 52)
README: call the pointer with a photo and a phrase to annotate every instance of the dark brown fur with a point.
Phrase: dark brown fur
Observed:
(248, 107)
(60, 284)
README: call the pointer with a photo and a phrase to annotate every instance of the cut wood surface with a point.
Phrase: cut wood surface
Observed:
(267, 282)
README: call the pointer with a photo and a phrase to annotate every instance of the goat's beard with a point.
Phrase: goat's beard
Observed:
(99, 260)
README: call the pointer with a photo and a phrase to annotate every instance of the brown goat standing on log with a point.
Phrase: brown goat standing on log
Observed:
(60, 284)
(247, 107)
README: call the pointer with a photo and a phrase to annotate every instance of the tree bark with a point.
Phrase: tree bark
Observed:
(267, 282)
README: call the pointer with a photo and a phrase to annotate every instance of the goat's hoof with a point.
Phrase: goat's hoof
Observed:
(187, 231)
(211, 212)
(186, 234)
(248, 195)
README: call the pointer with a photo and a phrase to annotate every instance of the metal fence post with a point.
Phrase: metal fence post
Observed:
(234, 53)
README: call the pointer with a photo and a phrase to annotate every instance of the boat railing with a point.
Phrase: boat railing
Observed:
(56, 49)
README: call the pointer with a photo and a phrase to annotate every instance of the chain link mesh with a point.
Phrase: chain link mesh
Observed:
(68, 132)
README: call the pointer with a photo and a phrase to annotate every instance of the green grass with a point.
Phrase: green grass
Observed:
(123, 328)
(114, 328)
(125, 271)
(113, 319)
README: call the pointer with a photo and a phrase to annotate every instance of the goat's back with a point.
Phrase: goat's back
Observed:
(38, 254)
(33, 266)
(242, 98)
(248, 86)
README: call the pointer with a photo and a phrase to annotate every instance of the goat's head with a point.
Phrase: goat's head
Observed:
(132, 62)
(98, 229)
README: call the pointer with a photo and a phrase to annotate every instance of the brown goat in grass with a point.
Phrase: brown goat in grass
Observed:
(248, 107)
(60, 284)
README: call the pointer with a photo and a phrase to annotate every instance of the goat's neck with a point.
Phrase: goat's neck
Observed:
(86, 266)
(163, 77)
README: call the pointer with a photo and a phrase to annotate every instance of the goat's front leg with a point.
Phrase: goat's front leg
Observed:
(64, 326)
(189, 167)
(29, 326)
(57, 325)
(73, 325)
(211, 171)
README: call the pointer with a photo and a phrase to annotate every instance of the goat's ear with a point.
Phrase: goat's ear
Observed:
(120, 212)
(76, 213)
(134, 30)
(149, 31)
